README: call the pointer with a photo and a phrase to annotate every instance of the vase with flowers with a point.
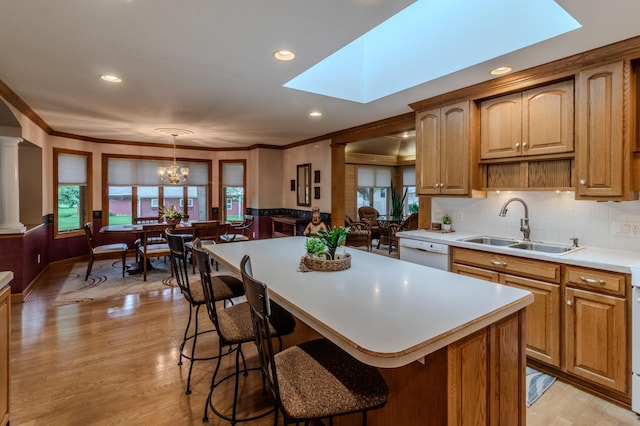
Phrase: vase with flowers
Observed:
(171, 215)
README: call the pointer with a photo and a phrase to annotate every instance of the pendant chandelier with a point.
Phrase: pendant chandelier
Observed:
(174, 173)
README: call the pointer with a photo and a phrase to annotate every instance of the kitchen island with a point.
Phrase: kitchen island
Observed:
(451, 348)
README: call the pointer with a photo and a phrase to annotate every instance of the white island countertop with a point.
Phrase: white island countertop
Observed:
(5, 278)
(383, 311)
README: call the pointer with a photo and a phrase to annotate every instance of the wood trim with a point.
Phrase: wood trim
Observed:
(16, 101)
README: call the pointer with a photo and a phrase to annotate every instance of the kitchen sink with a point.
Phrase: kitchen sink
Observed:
(539, 246)
(543, 247)
(491, 241)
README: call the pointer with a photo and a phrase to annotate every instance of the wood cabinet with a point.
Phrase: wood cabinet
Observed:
(442, 150)
(595, 326)
(5, 321)
(535, 122)
(603, 170)
(586, 335)
(542, 317)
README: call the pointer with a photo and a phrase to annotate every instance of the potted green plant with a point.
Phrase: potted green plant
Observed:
(315, 247)
(397, 203)
(332, 239)
(171, 215)
(446, 222)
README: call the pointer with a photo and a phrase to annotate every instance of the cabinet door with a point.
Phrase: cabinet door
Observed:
(600, 143)
(428, 152)
(542, 319)
(5, 320)
(500, 127)
(547, 119)
(595, 333)
(454, 149)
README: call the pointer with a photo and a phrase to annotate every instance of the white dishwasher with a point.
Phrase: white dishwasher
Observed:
(425, 253)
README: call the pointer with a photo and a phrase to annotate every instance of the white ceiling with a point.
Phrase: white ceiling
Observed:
(207, 66)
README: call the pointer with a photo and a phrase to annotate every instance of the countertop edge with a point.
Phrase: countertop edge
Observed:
(589, 257)
(5, 278)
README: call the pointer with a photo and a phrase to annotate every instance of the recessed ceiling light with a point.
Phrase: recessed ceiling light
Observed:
(284, 55)
(501, 70)
(315, 114)
(111, 78)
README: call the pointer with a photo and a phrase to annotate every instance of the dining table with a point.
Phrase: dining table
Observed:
(450, 347)
(138, 230)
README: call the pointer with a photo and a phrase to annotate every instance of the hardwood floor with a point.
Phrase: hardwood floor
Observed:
(115, 362)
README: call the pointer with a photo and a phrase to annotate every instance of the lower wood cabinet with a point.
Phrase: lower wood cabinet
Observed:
(5, 320)
(579, 321)
(542, 322)
(595, 336)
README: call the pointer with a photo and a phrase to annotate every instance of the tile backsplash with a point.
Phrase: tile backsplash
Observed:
(553, 217)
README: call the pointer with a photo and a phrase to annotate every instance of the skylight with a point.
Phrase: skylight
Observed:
(430, 39)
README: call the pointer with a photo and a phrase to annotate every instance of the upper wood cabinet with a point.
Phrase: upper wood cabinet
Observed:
(442, 150)
(535, 122)
(603, 172)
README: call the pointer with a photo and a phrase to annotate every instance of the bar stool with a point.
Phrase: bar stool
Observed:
(313, 380)
(227, 287)
(234, 328)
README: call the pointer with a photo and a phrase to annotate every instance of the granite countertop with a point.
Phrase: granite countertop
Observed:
(591, 257)
(5, 278)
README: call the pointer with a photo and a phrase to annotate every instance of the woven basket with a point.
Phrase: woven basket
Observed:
(327, 265)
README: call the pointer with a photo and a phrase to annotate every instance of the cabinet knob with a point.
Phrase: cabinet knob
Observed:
(495, 262)
(583, 182)
(524, 145)
(569, 303)
(517, 145)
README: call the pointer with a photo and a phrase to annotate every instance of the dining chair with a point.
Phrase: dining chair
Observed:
(408, 224)
(143, 220)
(370, 215)
(238, 232)
(226, 288)
(313, 380)
(234, 328)
(208, 232)
(359, 235)
(150, 246)
(106, 251)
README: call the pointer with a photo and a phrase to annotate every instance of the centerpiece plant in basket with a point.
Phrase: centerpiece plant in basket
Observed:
(333, 238)
(171, 215)
(315, 247)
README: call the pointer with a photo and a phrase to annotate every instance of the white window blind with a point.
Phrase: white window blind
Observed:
(374, 177)
(72, 169)
(136, 172)
(233, 174)
(409, 176)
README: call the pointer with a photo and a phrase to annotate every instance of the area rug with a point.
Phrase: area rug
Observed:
(537, 384)
(106, 281)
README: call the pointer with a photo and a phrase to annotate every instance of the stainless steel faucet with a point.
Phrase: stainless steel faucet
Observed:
(524, 222)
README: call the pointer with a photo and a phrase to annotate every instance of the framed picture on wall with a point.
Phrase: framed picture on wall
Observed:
(316, 176)
(316, 192)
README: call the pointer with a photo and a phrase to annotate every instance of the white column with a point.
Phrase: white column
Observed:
(9, 186)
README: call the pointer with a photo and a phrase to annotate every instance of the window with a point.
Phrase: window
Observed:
(135, 190)
(409, 186)
(232, 191)
(72, 180)
(374, 185)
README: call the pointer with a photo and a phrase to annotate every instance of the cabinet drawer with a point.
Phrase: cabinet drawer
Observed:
(471, 271)
(593, 279)
(508, 264)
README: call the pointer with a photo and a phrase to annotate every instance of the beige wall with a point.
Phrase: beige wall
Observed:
(319, 155)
